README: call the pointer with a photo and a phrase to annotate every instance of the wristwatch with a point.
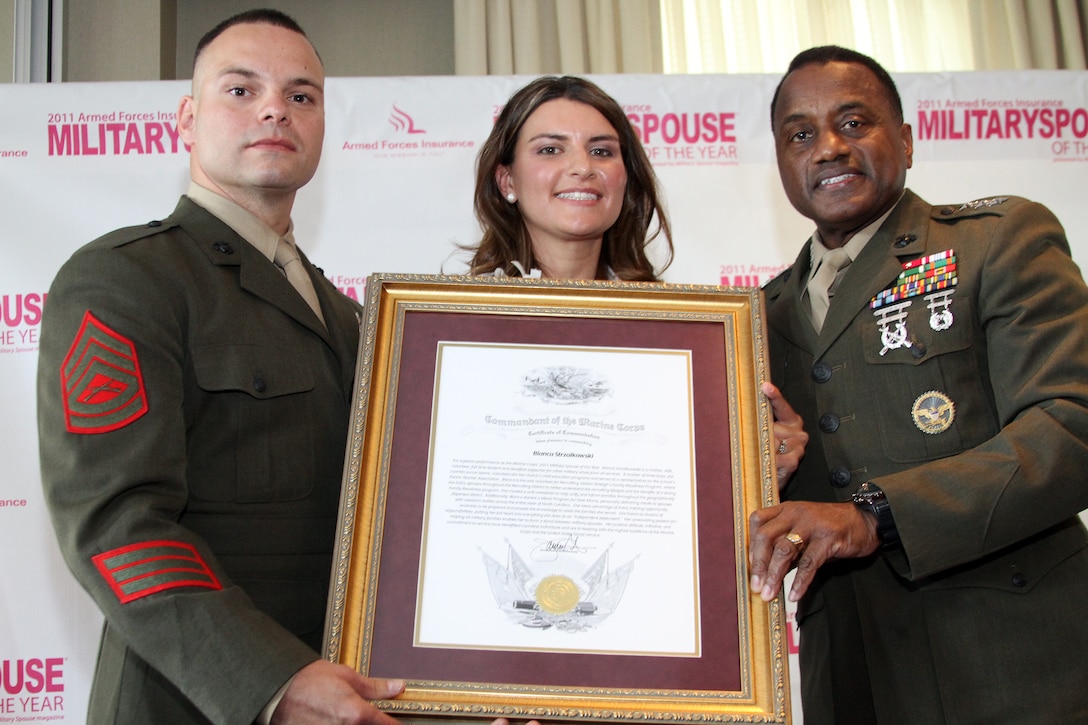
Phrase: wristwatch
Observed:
(869, 497)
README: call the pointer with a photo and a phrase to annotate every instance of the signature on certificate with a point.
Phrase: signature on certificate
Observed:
(549, 550)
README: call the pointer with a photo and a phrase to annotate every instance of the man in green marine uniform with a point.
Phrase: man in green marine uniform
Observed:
(939, 358)
(194, 389)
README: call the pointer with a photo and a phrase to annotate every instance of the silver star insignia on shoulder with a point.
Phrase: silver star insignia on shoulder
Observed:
(985, 203)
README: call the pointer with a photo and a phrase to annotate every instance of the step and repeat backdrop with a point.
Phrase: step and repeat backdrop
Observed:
(394, 194)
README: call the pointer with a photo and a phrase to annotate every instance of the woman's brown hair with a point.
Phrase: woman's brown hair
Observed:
(505, 237)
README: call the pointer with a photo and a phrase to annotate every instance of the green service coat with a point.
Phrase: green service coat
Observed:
(980, 616)
(192, 416)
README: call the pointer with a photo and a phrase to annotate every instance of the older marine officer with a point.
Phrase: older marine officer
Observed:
(939, 357)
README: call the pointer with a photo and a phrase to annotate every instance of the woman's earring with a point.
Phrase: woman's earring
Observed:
(511, 197)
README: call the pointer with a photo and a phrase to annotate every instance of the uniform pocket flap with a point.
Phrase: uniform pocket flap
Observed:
(261, 371)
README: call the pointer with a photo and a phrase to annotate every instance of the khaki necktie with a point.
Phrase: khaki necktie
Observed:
(287, 260)
(820, 287)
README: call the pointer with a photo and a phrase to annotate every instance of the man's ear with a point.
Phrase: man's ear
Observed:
(906, 135)
(187, 120)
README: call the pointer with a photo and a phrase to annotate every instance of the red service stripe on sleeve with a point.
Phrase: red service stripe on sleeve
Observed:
(139, 570)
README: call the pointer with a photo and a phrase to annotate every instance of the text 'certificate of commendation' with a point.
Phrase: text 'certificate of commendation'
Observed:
(560, 510)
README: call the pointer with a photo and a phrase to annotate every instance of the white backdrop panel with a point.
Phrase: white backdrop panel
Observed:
(394, 194)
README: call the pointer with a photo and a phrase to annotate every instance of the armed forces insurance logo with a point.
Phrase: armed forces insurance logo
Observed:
(1051, 122)
(408, 135)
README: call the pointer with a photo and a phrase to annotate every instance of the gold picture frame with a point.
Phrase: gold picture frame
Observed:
(406, 602)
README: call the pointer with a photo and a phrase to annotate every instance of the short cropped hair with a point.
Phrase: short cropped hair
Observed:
(257, 16)
(824, 54)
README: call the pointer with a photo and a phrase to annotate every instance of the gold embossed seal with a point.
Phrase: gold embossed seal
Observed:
(557, 594)
(933, 412)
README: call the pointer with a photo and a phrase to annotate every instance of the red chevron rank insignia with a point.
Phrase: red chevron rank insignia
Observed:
(138, 570)
(101, 381)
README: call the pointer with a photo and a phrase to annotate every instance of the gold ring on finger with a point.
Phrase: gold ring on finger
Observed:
(797, 540)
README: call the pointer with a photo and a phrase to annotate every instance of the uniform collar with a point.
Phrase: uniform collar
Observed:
(853, 248)
(244, 223)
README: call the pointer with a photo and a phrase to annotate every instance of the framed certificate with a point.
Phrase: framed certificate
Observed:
(545, 503)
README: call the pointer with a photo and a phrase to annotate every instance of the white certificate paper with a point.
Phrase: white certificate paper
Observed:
(560, 507)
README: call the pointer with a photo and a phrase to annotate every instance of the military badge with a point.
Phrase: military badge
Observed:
(921, 276)
(933, 412)
(893, 326)
(940, 312)
(101, 381)
(933, 276)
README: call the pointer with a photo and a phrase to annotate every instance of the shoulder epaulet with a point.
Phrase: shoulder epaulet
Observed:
(978, 207)
(127, 235)
(773, 287)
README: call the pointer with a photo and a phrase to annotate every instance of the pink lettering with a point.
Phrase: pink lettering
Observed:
(172, 132)
(1012, 122)
(688, 128)
(54, 674)
(61, 139)
(153, 132)
(89, 150)
(16, 310)
(32, 675)
(132, 140)
(118, 139)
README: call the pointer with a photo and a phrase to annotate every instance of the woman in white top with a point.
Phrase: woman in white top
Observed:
(564, 190)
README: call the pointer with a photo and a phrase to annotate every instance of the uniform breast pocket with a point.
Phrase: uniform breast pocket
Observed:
(250, 433)
(928, 382)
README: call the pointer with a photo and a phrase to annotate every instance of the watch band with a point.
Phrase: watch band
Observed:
(871, 498)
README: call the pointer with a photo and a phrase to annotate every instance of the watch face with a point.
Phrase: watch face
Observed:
(872, 497)
(867, 493)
